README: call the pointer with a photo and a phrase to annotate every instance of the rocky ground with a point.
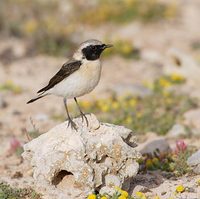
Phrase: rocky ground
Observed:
(166, 47)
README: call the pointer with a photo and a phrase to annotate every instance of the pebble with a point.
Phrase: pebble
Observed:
(153, 144)
(176, 131)
(3, 103)
(194, 161)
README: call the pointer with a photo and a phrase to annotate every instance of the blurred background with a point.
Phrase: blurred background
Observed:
(150, 79)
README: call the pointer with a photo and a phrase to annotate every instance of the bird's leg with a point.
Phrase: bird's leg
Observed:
(70, 121)
(83, 116)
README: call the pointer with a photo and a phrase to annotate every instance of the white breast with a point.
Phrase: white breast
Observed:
(82, 81)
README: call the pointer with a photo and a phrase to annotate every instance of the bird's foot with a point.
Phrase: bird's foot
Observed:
(72, 124)
(83, 116)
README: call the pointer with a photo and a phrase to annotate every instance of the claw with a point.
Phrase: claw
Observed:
(72, 124)
(83, 116)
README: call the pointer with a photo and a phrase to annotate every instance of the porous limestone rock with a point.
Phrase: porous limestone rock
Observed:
(71, 164)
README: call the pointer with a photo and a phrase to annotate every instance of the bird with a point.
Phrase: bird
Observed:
(77, 77)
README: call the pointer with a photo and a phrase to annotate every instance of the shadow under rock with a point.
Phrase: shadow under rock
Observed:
(148, 181)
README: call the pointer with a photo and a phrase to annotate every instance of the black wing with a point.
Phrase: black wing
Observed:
(67, 69)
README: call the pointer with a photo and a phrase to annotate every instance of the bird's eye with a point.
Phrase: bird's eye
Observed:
(93, 47)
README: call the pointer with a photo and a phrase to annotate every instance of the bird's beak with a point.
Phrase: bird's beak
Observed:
(108, 45)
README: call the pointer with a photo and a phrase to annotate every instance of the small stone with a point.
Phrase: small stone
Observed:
(41, 117)
(140, 188)
(191, 119)
(177, 130)
(163, 193)
(107, 190)
(151, 145)
(194, 161)
(17, 174)
(112, 180)
(136, 90)
(3, 103)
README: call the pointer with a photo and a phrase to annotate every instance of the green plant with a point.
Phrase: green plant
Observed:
(49, 28)
(174, 161)
(127, 10)
(123, 48)
(7, 192)
(118, 194)
(10, 86)
(156, 112)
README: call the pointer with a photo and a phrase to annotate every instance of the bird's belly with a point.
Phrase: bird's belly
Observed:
(79, 83)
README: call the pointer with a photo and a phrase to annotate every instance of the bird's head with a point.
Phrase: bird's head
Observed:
(90, 50)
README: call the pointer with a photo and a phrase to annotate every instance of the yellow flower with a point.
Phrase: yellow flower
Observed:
(122, 197)
(105, 108)
(126, 48)
(169, 100)
(124, 193)
(166, 94)
(104, 197)
(30, 26)
(115, 105)
(103, 105)
(149, 85)
(140, 195)
(118, 189)
(164, 83)
(177, 77)
(171, 11)
(198, 182)
(155, 161)
(149, 164)
(92, 196)
(139, 115)
(10, 86)
(129, 2)
(86, 104)
(156, 197)
(128, 120)
(180, 189)
(132, 102)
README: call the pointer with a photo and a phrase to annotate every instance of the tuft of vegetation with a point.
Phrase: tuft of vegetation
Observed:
(49, 26)
(118, 194)
(124, 48)
(7, 192)
(174, 161)
(40, 22)
(10, 86)
(157, 112)
(127, 11)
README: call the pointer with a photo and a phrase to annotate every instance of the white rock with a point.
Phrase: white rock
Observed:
(112, 180)
(188, 68)
(194, 162)
(71, 164)
(125, 88)
(176, 131)
(153, 144)
(140, 188)
(41, 117)
(191, 118)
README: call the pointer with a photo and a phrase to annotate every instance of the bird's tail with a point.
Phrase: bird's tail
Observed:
(36, 98)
